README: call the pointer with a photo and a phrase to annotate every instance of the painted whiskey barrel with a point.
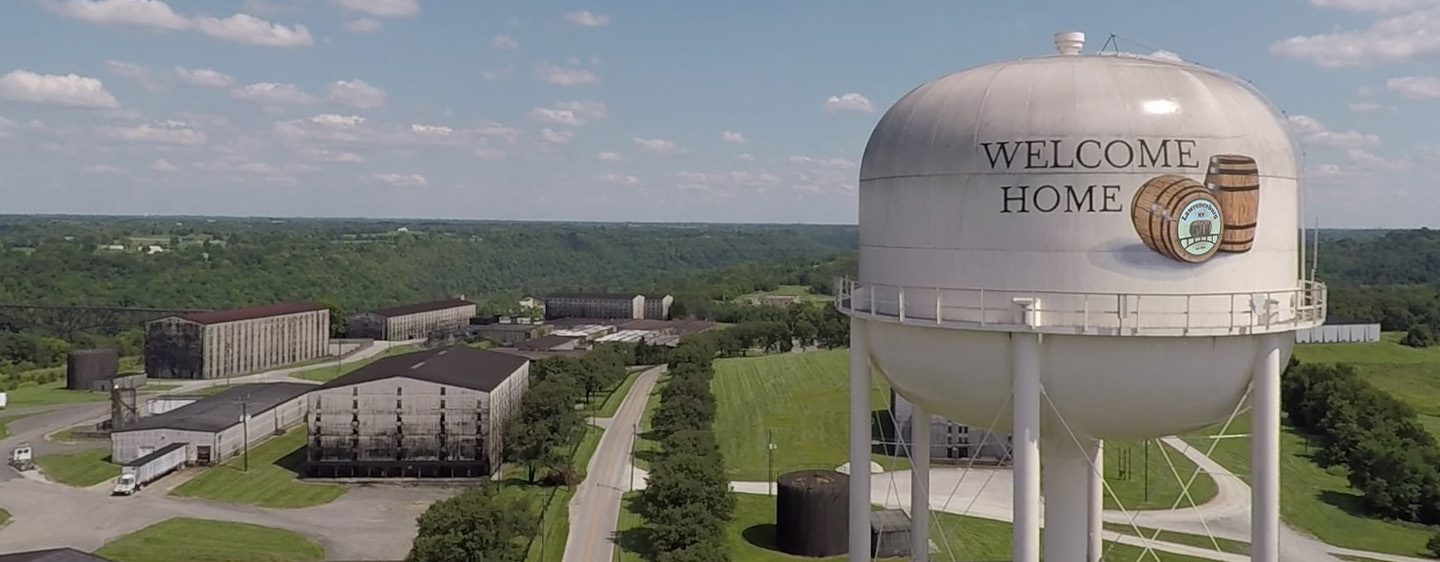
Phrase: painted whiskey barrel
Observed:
(1235, 181)
(1178, 218)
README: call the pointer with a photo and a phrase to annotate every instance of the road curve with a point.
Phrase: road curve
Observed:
(595, 508)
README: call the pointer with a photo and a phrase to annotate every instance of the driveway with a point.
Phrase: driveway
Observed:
(595, 508)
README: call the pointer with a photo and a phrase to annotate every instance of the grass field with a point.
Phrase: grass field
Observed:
(67, 435)
(331, 370)
(605, 404)
(4, 517)
(80, 469)
(5, 425)
(803, 397)
(50, 394)
(1198, 541)
(751, 537)
(271, 481)
(200, 540)
(789, 290)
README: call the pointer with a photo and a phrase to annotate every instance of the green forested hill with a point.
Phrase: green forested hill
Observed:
(365, 264)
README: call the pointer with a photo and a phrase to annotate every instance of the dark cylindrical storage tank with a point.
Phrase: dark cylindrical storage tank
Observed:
(85, 367)
(810, 513)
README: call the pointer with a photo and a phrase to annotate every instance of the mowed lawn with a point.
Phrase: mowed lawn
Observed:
(330, 369)
(201, 540)
(270, 482)
(81, 469)
(804, 398)
(750, 537)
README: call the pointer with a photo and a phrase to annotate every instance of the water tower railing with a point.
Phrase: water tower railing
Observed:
(1138, 314)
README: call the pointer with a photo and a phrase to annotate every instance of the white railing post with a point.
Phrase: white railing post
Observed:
(982, 307)
(938, 319)
(871, 293)
(1187, 314)
(900, 299)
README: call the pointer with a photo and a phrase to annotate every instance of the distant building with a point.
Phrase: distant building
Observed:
(948, 440)
(553, 343)
(777, 300)
(608, 305)
(531, 302)
(207, 345)
(508, 334)
(215, 427)
(435, 413)
(411, 321)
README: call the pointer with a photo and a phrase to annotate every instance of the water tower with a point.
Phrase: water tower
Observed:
(1083, 247)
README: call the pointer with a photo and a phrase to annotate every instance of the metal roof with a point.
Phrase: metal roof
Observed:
(52, 555)
(142, 461)
(408, 309)
(251, 313)
(219, 411)
(545, 343)
(595, 296)
(462, 366)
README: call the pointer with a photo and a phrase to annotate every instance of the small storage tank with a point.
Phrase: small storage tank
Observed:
(810, 513)
(85, 367)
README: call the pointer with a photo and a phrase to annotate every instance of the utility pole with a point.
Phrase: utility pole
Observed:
(1147, 471)
(770, 461)
(634, 438)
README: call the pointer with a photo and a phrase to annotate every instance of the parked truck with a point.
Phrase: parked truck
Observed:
(140, 472)
(22, 457)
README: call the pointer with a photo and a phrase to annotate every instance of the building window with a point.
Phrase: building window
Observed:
(354, 391)
(354, 404)
(442, 405)
(397, 405)
(317, 402)
(442, 391)
(399, 391)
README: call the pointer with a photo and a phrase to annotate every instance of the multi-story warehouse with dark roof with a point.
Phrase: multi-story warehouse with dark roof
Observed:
(434, 413)
(608, 305)
(224, 343)
(412, 321)
(218, 426)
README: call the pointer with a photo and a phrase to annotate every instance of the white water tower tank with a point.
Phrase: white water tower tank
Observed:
(1122, 228)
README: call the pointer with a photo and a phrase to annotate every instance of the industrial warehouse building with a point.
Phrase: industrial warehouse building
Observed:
(949, 441)
(434, 413)
(207, 345)
(608, 305)
(216, 427)
(412, 321)
(508, 334)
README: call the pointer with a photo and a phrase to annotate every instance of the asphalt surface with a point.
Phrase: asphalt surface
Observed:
(595, 508)
(367, 523)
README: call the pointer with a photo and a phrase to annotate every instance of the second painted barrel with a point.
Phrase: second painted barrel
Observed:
(1235, 181)
(1178, 218)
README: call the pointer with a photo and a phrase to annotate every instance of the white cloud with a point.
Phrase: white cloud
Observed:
(397, 180)
(137, 73)
(564, 76)
(337, 121)
(658, 146)
(1312, 131)
(271, 93)
(570, 113)
(609, 157)
(163, 165)
(69, 90)
(618, 179)
(693, 181)
(161, 132)
(204, 77)
(732, 137)
(158, 16)
(1365, 107)
(363, 25)
(104, 169)
(1415, 87)
(356, 93)
(267, 7)
(745, 157)
(431, 129)
(587, 19)
(849, 102)
(1409, 37)
(382, 8)
(497, 75)
(250, 30)
(504, 42)
(1367, 161)
(489, 153)
(151, 14)
(1376, 6)
(336, 156)
(557, 137)
(816, 175)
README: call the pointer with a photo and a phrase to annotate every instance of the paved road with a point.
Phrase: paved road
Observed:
(367, 523)
(595, 508)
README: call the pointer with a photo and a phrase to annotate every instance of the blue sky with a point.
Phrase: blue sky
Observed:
(744, 111)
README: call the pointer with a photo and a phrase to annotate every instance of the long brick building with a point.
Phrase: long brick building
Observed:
(411, 321)
(224, 343)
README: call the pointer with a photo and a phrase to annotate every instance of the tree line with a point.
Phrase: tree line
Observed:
(1389, 457)
(687, 503)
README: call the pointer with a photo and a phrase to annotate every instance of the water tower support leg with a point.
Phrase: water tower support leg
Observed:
(920, 485)
(1097, 502)
(1026, 444)
(1265, 453)
(1066, 483)
(859, 442)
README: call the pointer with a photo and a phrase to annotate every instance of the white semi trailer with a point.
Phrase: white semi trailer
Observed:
(142, 471)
